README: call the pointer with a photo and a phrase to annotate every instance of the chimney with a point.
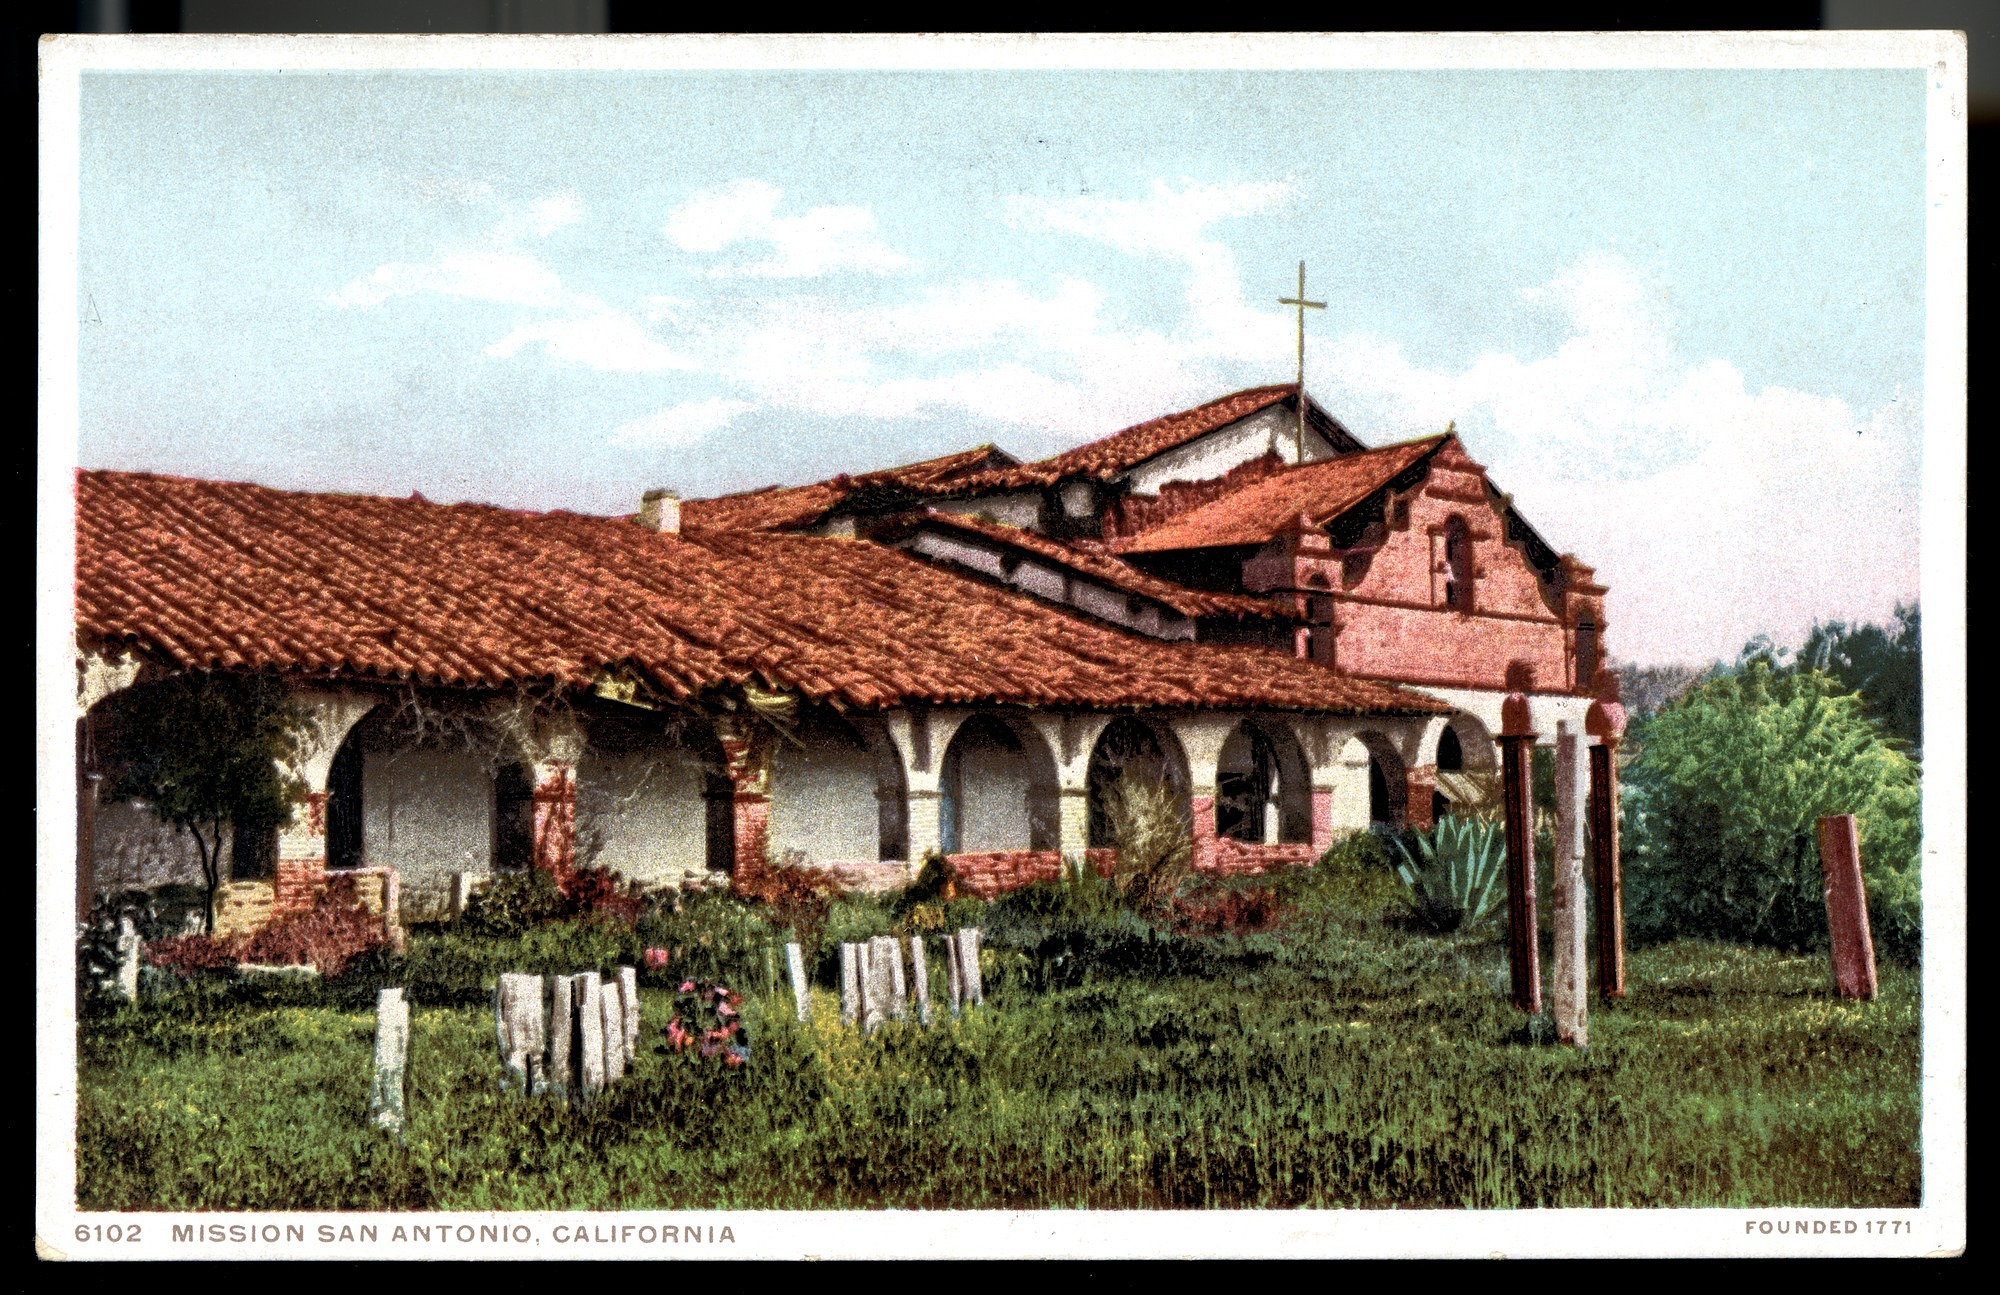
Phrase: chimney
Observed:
(660, 510)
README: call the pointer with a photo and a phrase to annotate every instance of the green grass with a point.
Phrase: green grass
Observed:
(1349, 1063)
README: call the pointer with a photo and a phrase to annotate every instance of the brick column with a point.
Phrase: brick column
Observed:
(746, 756)
(301, 869)
(1419, 785)
(1202, 810)
(1847, 907)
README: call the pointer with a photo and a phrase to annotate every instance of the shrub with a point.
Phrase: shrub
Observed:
(601, 892)
(707, 935)
(935, 885)
(326, 936)
(1234, 907)
(188, 955)
(708, 1024)
(512, 903)
(1155, 848)
(794, 899)
(1454, 877)
(1721, 807)
(97, 942)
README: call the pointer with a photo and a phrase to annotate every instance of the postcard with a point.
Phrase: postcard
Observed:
(1041, 646)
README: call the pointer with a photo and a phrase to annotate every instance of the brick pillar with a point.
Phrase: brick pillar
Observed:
(1322, 822)
(1419, 785)
(746, 759)
(1517, 743)
(301, 870)
(1202, 812)
(1605, 721)
(555, 818)
(1847, 907)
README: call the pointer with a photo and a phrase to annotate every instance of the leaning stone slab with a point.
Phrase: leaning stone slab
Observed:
(628, 1003)
(795, 964)
(560, 1068)
(850, 983)
(588, 1034)
(614, 1034)
(392, 1050)
(920, 978)
(968, 965)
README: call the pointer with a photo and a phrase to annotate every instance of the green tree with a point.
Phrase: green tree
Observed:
(1722, 804)
(1884, 664)
(206, 750)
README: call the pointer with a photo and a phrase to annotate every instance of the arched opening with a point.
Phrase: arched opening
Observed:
(837, 793)
(646, 803)
(1388, 789)
(1131, 746)
(513, 818)
(1458, 564)
(1467, 763)
(998, 790)
(1263, 794)
(1451, 752)
(343, 807)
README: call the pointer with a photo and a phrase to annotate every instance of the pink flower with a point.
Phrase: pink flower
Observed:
(656, 957)
(687, 986)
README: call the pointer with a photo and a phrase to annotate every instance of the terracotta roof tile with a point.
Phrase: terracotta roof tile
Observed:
(1255, 514)
(1111, 455)
(785, 507)
(215, 574)
(1116, 573)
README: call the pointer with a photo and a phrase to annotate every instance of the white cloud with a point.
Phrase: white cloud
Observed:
(512, 278)
(609, 341)
(821, 241)
(682, 425)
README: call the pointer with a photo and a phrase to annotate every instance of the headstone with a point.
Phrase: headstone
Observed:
(850, 983)
(588, 1035)
(1847, 907)
(523, 1038)
(968, 965)
(954, 984)
(628, 1003)
(875, 985)
(795, 963)
(614, 1033)
(560, 1071)
(1570, 909)
(392, 1050)
(128, 959)
(920, 977)
(896, 998)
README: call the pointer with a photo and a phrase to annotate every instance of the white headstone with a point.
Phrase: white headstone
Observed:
(920, 978)
(628, 1002)
(128, 959)
(614, 1034)
(561, 1067)
(850, 983)
(968, 965)
(954, 984)
(392, 1049)
(795, 963)
(589, 1034)
(523, 1038)
(896, 998)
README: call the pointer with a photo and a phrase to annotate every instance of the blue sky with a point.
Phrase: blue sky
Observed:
(1680, 315)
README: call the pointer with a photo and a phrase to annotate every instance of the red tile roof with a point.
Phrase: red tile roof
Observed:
(221, 575)
(1255, 514)
(1119, 575)
(776, 508)
(1106, 458)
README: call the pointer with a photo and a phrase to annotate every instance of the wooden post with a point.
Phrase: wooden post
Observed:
(850, 983)
(1517, 742)
(560, 1070)
(890, 950)
(628, 1004)
(968, 969)
(920, 977)
(1572, 952)
(795, 963)
(588, 1035)
(1847, 907)
(392, 1051)
(954, 984)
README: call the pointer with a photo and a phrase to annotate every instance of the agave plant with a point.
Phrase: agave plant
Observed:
(1452, 881)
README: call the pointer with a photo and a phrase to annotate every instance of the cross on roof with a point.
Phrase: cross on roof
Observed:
(1303, 305)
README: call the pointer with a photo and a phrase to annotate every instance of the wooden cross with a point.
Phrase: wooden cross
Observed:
(1303, 305)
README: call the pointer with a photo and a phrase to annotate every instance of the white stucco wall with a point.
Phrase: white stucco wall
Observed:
(648, 809)
(991, 792)
(427, 814)
(130, 849)
(1268, 431)
(1348, 776)
(1544, 711)
(823, 803)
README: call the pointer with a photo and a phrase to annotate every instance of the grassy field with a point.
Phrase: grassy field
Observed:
(1342, 1062)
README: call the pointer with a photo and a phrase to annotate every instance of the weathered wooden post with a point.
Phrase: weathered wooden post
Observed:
(517, 1008)
(392, 1051)
(588, 1035)
(920, 977)
(1572, 952)
(1605, 721)
(613, 1008)
(795, 964)
(560, 1070)
(128, 958)
(1847, 907)
(954, 984)
(850, 983)
(628, 1004)
(1517, 741)
(968, 968)
(890, 951)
